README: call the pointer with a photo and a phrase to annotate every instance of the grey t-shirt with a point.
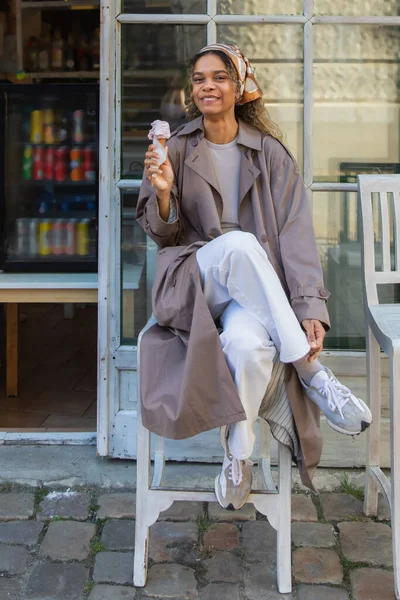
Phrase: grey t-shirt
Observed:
(226, 159)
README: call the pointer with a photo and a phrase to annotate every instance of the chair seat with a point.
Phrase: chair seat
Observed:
(386, 324)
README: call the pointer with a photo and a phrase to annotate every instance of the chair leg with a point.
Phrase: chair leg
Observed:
(395, 464)
(142, 487)
(374, 431)
(284, 561)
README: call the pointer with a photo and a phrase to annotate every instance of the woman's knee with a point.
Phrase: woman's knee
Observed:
(241, 242)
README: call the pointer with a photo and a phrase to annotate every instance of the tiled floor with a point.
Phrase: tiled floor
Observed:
(57, 371)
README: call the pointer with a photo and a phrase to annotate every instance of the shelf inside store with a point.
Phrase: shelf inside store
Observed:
(64, 75)
(72, 4)
(50, 182)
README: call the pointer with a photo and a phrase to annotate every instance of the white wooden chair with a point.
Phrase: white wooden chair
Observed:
(151, 499)
(383, 331)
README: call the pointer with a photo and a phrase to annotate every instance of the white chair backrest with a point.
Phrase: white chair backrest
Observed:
(386, 190)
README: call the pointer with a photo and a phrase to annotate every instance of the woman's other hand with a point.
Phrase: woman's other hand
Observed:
(315, 335)
(160, 176)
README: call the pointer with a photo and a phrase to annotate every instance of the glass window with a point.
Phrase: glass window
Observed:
(337, 229)
(356, 100)
(260, 7)
(278, 65)
(357, 8)
(137, 272)
(154, 59)
(179, 7)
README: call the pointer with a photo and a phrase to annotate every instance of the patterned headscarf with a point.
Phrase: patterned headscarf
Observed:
(249, 88)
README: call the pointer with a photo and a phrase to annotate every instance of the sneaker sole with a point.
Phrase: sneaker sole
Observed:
(364, 426)
(221, 502)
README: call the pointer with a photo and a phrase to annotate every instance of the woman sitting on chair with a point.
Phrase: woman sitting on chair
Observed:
(238, 278)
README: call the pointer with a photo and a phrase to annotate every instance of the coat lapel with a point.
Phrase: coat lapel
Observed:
(200, 162)
(248, 174)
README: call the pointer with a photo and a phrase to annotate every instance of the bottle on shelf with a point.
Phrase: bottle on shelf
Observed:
(95, 50)
(82, 55)
(32, 55)
(57, 51)
(69, 55)
(44, 53)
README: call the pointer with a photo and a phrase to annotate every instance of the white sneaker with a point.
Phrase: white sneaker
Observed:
(233, 484)
(344, 412)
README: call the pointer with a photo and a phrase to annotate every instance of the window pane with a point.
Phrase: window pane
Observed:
(279, 71)
(260, 7)
(154, 59)
(357, 8)
(356, 100)
(337, 228)
(136, 265)
(185, 7)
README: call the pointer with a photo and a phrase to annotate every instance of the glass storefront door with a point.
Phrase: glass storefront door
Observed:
(329, 72)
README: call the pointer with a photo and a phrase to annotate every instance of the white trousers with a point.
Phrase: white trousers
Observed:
(242, 288)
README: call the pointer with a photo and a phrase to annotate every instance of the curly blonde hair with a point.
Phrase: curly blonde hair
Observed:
(253, 112)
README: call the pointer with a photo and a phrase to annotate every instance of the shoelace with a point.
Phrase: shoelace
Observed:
(235, 471)
(338, 395)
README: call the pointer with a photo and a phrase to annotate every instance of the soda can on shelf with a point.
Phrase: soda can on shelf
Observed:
(89, 164)
(33, 227)
(49, 126)
(38, 163)
(58, 237)
(49, 163)
(45, 237)
(27, 163)
(82, 237)
(36, 127)
(77, 126)
(76, 164)
(61, 164)
(70, 236)
(22, 231)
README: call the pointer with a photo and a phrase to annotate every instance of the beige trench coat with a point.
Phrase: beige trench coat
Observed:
(186, 386)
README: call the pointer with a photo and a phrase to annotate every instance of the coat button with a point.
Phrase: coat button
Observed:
(194, 143)
(264, 239)
(323, 292)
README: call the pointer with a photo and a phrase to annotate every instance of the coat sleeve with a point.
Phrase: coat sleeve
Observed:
(298, 247)
(163, 233)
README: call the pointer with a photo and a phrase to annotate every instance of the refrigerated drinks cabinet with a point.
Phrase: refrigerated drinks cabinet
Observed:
(49, 177)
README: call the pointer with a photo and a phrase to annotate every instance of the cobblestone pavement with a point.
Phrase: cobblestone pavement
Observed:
(78, 544)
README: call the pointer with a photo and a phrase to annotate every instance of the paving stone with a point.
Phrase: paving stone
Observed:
(182, 511)
(9, 588)
(13, 559)
(24, 533)
(317, 592)
(220, 591)
(318, 535)
(119, 535)
(311, 565)
(68, 540)
(303, 508)
(113, 567)
(171, 581)
(166, 538)
(52, 581)
(217, 513)
(70, 505)
(383, 509)
(340, 507)
(223, 566)
(259, 542)
(16, 506)
(120, 505)
(372, 584)
(261, 584)
(223, 536)
(112, 592)
(367, 542)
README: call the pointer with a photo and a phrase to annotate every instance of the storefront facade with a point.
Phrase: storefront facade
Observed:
(329, 72)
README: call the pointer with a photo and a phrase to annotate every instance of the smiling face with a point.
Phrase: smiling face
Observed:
(214, 91)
